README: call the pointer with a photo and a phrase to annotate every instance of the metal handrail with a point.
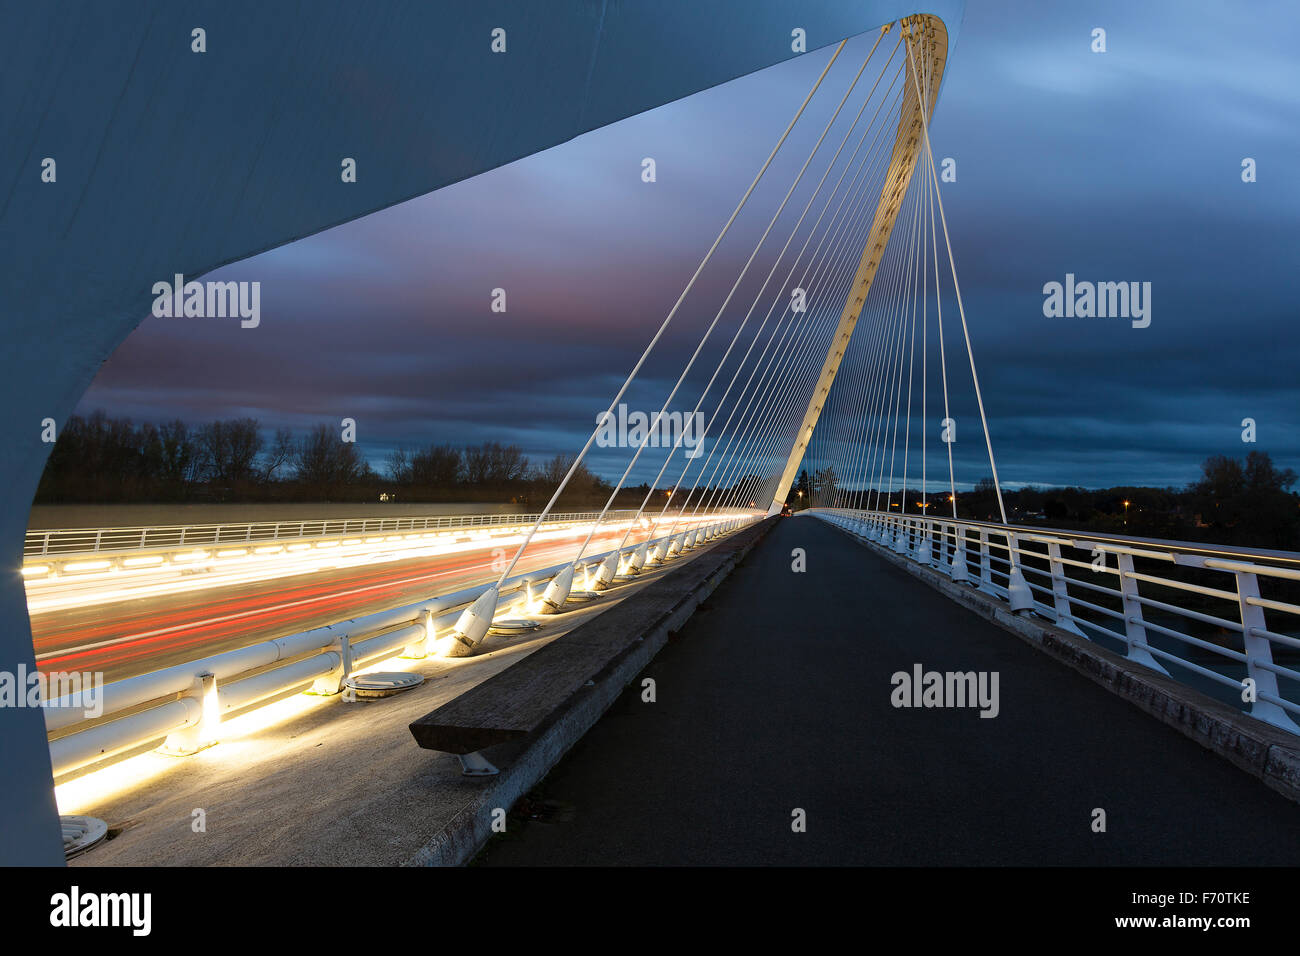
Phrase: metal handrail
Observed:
(67, 541)
(964, 550)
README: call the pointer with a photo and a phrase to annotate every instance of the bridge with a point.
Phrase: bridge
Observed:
(385, 689)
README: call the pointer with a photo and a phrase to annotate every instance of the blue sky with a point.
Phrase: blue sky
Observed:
(1117, 166)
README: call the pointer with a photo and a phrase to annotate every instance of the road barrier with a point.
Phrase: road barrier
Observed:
(61, 550)
(136, 711)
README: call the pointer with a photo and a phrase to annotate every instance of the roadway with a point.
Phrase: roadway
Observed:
(129, 637)
(777, 695)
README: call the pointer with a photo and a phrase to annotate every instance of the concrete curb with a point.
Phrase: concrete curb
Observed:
(1269, 754)
(523, 764)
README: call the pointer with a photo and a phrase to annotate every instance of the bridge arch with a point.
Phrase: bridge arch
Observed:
(171, 160)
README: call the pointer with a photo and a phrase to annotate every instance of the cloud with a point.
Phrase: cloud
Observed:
(1122, 166)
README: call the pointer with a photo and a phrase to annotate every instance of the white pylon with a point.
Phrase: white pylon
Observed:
(637, 561)
(558, 591)
(1020, 597)
(959, 571)
(472, 625)
(608, 571)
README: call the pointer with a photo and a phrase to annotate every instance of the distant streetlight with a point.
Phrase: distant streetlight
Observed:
(1126, 504)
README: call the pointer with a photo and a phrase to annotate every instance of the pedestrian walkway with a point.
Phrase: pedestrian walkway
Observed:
(777, 697)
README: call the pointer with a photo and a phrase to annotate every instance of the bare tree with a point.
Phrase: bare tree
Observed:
(508, 463)
(494, 464)
(437, 466)
(230, 448)
(279, 454)
(180, 455)
(323, 461)
(478, 464)
(398, 466)
(583, 482)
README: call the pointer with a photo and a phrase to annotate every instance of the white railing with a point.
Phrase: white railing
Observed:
(52, 552)
(1145, 594)
(185, 703)
(81, 541)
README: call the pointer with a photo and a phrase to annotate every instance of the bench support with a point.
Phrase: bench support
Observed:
(476, 765)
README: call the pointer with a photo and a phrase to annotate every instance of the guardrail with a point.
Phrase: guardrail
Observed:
(1145, 594)
(76, 552)
(185, 703)
(67, 541)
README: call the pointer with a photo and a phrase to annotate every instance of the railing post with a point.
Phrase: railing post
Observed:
(959, 572)
(986, 570)
(1019, 594)
(1135, 630)
(529, 595)
(332, 683)
(1061, 593)
(1259, 655)
(199, 736)
(418, 650)
(919, 542)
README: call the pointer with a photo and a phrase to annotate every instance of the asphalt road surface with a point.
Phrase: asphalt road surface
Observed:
(776, 697)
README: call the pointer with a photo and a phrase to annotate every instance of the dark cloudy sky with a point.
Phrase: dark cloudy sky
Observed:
(1117, 166)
